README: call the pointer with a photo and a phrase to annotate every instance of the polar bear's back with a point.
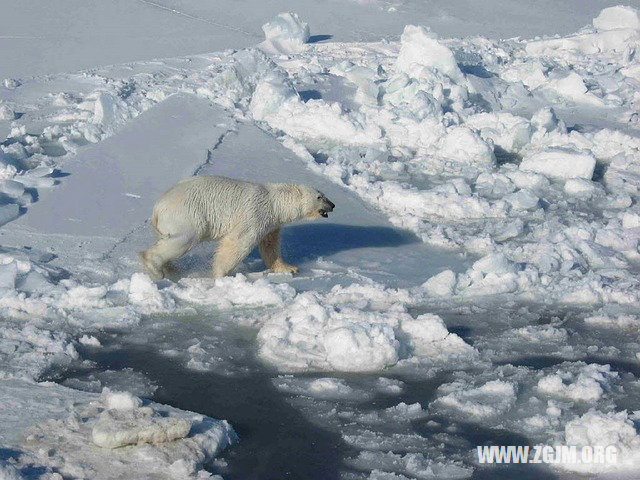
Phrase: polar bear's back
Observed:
(209, 205)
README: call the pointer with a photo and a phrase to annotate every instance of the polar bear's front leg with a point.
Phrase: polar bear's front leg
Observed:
(230, 252)
(270, 252)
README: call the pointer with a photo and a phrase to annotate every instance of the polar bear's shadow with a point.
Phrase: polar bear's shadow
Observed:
(301, 243)
(307, 241)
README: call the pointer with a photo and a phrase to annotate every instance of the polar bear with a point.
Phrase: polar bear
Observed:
(237, 214)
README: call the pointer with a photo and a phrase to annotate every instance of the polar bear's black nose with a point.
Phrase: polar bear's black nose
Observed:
(330, 205)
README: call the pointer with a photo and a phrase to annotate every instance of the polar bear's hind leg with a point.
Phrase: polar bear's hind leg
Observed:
(163, 251)
(230, 252)
(269, 248)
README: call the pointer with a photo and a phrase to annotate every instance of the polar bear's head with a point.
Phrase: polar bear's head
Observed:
(314, 203)
(292, 202)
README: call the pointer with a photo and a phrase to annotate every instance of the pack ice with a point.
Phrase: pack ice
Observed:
(517, 158)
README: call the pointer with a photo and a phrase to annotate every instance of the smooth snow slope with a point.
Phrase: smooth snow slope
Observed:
(112, 186)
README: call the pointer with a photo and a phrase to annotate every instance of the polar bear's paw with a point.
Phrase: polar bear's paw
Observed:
(282, 267)
(154, 271)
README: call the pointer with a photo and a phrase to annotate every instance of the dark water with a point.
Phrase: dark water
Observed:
(276, 440)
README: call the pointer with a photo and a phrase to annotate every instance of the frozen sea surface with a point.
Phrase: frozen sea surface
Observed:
(49, 38)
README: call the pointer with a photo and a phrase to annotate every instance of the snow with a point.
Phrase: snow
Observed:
(481, 262)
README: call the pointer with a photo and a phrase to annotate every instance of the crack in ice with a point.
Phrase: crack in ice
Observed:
(199, 19)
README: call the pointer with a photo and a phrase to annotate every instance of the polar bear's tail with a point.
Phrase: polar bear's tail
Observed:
(154, 223)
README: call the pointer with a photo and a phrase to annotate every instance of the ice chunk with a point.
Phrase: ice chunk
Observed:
(579, 382)
(494, 263)
(579, 187)
(560, 163)
(572, 87)
(12, 188)
(11, 83)
(620, 16)
(613, 320)
(81, 297)
(329, 388)
(612, 429)
(491, 399)
(270, 95)
(120, 400)
(145, 294)
(7, 171)
(603, 41)
(34, 282)
(105, 108)
(404, 412)
(161, 439)
(286, 33)
(630, 220)
(117, 428)
(126, 422)
(90, 341)
(231, 292)
(6, 113)
(8, 213)
(545, 120)
(522, 200)
(361, 347)
(9, 472)
(505, 130)
(441, 285)
(419, 48)
(463, 145)
(428, 336)
(389, 386)
(8, 274)
(368, 296)
(410, 465)
(276, 102)
(310, 335)
(530, 73)
(325, 388)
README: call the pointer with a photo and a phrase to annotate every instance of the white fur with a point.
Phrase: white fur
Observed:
(238, 214)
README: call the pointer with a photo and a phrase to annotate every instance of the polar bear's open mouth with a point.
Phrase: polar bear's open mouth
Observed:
(326, 208)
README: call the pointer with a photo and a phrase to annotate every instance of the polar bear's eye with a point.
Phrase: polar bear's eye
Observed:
(319, 197)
